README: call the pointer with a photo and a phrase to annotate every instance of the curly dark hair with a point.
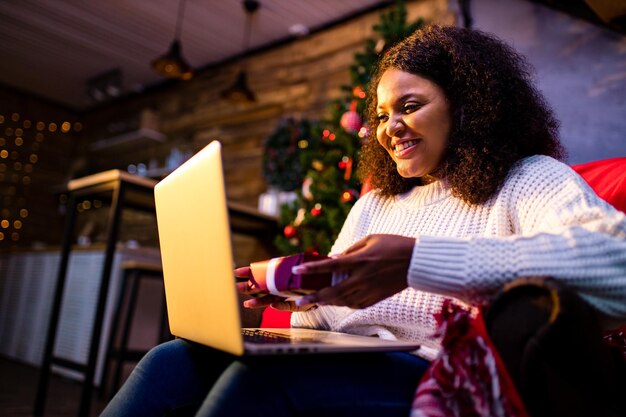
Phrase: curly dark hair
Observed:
(498, 116)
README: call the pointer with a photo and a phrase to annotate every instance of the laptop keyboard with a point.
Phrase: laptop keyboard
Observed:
(262, 336)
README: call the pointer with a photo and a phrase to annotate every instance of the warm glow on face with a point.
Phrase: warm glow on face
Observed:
(414, 122)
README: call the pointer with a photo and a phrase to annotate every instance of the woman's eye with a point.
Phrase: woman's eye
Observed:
(410, 107)
(382, 117)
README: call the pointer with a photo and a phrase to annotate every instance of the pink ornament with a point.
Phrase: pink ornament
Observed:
(351, 121)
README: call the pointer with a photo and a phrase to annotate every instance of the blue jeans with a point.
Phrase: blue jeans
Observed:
(180, 378)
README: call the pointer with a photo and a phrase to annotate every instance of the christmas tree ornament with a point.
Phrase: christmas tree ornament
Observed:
(327, 134)
(289, 231)
(364, 132)
(316, 211)
(347, 174)
(317, 165)
(299, 217)
(348, 196)
(351, 121)
(358, 92)
(346, 165)
(306, 189)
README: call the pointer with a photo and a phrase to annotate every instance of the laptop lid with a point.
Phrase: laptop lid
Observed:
(196, 252)
(194, 236)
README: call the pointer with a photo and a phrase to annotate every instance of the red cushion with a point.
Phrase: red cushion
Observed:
(607, 178)
(273, 318)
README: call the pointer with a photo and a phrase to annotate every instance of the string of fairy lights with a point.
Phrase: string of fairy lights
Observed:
(21, 140)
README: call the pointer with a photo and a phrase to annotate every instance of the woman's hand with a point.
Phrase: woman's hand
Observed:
(262, 299)
(377, 268)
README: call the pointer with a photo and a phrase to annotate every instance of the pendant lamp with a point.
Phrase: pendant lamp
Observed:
(240, 92)
(172, 64)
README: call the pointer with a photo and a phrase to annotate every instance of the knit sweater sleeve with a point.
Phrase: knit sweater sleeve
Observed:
(560, 229)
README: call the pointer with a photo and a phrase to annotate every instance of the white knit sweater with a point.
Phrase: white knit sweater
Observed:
(544, 221)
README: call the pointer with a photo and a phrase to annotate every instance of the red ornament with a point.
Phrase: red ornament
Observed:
(346, 163)
(351, 121)
(358, 92)
(327, 134)
(317, 210)
(289, 231)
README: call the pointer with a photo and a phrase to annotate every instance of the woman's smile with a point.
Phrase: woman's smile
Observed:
(404, 149)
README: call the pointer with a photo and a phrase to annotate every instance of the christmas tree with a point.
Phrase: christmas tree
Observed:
(328, 151)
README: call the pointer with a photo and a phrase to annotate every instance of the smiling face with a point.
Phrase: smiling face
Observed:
(414, 122)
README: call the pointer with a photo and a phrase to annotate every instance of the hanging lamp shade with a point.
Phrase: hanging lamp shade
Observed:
(172, 64)
(239, 92)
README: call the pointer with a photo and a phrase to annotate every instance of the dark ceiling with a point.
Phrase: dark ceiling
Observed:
(55, 48)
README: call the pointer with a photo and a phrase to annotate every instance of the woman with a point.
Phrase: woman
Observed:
(467, 197)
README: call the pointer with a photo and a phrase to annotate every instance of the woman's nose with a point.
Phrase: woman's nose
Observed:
(394, 126)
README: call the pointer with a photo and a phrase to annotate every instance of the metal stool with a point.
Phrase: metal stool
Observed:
(133, 272)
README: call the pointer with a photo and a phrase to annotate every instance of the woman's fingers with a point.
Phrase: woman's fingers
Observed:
(243, 272)
(279, 303)
(261, 302)
(341, 263)
(284, 305)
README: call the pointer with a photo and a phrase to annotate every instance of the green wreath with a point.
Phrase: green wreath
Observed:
(282, 167)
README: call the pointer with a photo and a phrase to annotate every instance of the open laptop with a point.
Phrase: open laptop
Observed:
(196, 252)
